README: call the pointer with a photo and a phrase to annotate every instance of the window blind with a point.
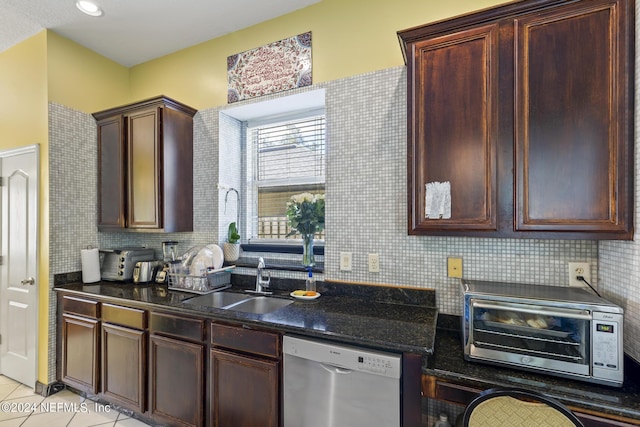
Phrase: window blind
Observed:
(290, 159)
(291, 151)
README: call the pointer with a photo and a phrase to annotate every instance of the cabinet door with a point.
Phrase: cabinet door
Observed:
(123, 366)
(573, 119)
(144, 168)
(176, 381)
(111, 173)
(177, 152)
(244, 390)
(452, 128)
(80, 350)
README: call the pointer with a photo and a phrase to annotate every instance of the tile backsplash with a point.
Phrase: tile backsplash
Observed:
(365, 205)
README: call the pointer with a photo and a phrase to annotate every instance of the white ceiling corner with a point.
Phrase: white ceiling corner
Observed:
(135, 31)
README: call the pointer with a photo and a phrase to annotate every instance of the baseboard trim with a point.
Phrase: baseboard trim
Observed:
(47, 390)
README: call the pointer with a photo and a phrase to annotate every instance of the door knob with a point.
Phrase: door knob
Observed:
(29, 281)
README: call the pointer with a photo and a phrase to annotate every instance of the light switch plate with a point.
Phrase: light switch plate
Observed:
(345, 261)
(454, 267)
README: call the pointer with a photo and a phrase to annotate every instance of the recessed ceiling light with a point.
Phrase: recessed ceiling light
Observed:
(89, 8)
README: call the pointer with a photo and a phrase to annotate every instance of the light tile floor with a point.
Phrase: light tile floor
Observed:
(20, 406)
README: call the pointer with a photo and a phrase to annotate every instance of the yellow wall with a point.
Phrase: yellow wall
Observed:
(82, 79)
(23, 90)
(349, 37)
(24, 121)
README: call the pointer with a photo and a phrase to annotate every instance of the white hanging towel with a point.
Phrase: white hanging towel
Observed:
(437, 201)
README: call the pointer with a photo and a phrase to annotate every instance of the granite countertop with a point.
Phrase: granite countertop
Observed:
(448, 363)
(389, 318)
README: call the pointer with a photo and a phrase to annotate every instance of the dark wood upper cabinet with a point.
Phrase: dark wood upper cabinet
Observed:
(453, 127)
(145, 166)
(143, 169)
(573, 74)
(111, 173)
(527, 110)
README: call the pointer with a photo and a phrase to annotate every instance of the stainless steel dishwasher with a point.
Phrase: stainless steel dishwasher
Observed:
(330, 385)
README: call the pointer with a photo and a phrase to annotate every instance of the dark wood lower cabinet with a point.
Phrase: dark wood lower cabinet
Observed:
(80, 352)
(176, 381)
(124, 366)
(244, 390)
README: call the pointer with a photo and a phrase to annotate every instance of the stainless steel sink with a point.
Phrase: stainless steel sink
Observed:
(217, 299)
(239, 302)
(260, 305)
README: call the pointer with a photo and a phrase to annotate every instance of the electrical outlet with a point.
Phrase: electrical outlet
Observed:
(579, 269)
(345, 261)
(454, 267)
(374, 263)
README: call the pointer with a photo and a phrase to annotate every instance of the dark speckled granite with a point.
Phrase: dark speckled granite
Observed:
(448, 363)
(373, 316)
(387, 294)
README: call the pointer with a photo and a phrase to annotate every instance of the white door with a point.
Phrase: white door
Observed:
(18, 267)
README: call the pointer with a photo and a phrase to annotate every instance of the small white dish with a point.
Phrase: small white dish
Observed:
(217, 255)
(200, 264)
(208, 258)
(317, 295)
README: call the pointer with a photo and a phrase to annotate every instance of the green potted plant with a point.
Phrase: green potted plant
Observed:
(231, 248)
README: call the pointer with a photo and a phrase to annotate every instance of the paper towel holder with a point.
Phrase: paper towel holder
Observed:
(90, 262)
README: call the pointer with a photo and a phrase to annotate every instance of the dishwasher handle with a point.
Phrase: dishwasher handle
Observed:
(335, 369)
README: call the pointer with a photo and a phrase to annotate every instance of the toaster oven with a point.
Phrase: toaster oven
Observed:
(118, 264)
(563, 331)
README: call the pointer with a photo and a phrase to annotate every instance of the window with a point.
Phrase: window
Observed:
(288, 158)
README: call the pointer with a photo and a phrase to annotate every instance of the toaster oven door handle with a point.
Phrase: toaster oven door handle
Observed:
(573, 314)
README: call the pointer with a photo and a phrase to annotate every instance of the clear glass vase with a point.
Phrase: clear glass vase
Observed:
(307, 250)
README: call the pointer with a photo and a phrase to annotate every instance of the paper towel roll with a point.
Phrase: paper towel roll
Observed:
(90, 259)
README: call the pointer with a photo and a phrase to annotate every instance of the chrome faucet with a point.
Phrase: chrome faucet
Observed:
(263, 278)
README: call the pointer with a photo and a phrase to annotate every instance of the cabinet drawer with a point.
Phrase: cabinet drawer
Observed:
(455, 393)
(246, 340)
(125, 316)
(83, 307)
(168, 324)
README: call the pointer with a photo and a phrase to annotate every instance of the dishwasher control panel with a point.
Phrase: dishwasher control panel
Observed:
(377, 364)
(344, 356)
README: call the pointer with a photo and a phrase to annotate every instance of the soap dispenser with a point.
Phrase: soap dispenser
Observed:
(310, 283)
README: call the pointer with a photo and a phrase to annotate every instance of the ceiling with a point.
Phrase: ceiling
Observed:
(134, 31)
